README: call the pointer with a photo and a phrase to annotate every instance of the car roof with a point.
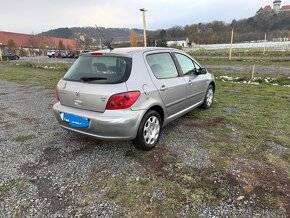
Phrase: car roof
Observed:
(136, 50)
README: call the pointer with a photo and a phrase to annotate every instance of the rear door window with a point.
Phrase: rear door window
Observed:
(187, 65)
(100, 69)
(162, 65)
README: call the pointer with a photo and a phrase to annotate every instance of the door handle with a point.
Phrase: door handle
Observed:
(163, 88)
(189, 82)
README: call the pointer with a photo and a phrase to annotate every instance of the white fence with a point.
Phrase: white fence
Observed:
(250, 45)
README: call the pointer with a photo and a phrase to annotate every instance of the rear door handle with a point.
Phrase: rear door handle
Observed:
(163, 88)
(189, 82)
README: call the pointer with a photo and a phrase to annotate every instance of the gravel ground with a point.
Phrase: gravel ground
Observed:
(46, 171)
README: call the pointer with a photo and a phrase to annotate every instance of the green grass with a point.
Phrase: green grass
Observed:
(260, 110)
(32, 74)
(23, 138)
(8, 186)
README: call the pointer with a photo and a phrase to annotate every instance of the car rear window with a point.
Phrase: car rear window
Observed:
(100, 69)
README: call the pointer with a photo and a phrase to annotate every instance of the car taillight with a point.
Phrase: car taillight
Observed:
(96, 54)
(122, 100)
(56, 95)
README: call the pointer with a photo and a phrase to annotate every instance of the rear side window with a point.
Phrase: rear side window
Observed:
(186, 64)
(162, 65)
(100, 69)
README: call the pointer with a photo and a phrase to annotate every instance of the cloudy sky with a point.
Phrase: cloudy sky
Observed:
(34, 16)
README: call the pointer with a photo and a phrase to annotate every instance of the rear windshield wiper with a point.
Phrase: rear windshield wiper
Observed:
(85, 79)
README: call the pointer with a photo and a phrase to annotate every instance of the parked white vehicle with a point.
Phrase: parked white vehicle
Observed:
(50, 53)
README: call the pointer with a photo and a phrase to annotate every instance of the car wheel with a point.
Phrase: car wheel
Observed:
(149, 131)
(208, 100)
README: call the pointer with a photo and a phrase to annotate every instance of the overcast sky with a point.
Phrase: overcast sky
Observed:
(35, 16)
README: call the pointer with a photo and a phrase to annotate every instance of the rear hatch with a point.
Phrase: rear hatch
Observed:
(93, 79)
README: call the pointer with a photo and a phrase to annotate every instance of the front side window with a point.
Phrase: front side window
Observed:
(186, 64)
(162, 65)
(100, 69)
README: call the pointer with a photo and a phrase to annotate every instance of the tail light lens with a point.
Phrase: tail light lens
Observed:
(56, 95)
(96, 54)
(122, 100)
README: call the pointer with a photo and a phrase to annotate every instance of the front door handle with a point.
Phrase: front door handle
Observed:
(163, 88)
(189, 82)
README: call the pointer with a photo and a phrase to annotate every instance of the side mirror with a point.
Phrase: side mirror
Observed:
(201, 71)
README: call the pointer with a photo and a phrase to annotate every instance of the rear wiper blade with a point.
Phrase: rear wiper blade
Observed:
(85, 79)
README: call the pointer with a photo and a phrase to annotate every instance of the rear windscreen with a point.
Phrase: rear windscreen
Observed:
(100, 69)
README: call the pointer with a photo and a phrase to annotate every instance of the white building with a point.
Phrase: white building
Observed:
(183, 43)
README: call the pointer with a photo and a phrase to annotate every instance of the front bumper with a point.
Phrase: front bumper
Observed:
(110, 125)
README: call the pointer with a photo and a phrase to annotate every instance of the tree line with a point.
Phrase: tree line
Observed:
(253, 28)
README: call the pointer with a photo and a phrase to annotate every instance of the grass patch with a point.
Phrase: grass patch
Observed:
(169, 185)
(23, 138)
(31, 74)
(9, 186)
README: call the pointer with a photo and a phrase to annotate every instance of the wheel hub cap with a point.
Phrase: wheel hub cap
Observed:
(151, 130)
(209, 97)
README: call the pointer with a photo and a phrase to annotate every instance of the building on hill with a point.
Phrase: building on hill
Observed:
(276, 8)
(21, 41)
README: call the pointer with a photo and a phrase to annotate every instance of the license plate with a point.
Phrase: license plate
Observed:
(75, 121)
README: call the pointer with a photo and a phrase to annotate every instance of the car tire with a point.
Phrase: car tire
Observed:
(149, 131)
(209, 97)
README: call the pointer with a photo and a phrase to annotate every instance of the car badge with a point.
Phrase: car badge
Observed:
(78, 93)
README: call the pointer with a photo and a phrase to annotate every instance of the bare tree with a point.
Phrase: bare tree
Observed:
(32, 43)
(11, 45)
(134, 38)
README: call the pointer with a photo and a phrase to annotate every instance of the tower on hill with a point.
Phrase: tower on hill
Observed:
(277, 5)
(276, 8)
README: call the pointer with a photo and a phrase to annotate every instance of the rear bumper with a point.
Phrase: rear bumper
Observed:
(110, 125)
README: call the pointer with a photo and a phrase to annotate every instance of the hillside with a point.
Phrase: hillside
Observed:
(253, 28)
(92, 32)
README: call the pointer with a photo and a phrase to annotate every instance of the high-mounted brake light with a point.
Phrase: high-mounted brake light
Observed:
(122, 100)
(96, 54)
(56, 95)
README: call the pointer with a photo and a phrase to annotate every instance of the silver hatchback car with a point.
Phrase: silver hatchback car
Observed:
(130, 93)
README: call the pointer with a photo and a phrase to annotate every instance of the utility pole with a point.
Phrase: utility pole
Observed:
(231, 48)
(265, 43)
(1, 52)
(144, 26)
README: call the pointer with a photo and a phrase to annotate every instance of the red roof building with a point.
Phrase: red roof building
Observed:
(267, 8)
(285, 8)
(276, 7)
(36, 41)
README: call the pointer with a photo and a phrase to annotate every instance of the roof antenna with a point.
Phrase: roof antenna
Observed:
(108, 44)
